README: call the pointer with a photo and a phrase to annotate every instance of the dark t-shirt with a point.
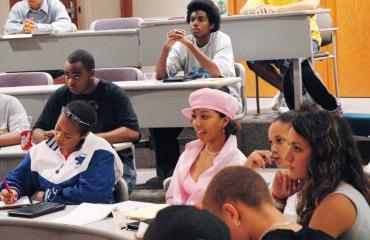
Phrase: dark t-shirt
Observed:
(303, 234)
(112, 105)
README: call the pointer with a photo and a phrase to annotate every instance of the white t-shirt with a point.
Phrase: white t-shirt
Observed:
(218, 48)
(13, 117)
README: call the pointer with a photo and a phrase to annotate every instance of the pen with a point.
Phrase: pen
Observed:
(7, 187)
(30, 199)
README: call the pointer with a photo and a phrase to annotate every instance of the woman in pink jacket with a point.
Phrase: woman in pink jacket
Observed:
(211, 115)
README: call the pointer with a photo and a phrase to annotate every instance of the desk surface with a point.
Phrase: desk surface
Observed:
(107, 225)
(251, 35)
(113, 48)
(146, 85)
(148, 97)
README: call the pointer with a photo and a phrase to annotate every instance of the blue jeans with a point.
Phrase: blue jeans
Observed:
(129, 172)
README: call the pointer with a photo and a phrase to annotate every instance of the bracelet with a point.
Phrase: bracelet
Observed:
(277, 199)
(278, 205)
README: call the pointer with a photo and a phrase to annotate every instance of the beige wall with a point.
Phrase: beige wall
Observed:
(159, 8)
(4, 12)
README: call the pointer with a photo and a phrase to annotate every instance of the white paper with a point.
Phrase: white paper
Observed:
(131, 205)
(15, 36)
(86, 213)
(142, 229)
(22, 201)
(267, 174)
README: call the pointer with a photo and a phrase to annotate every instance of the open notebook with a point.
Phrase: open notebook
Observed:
(87, 213)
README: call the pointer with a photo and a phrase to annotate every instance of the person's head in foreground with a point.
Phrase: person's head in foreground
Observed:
(180, 222)
(211, 112)
(240, 197)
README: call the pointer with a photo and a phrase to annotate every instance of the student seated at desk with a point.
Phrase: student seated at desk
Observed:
(72, 167)
(281, 79)
(13, 119)
(325, 169)
(211, 112)
(240, 197)
(30, 16)
(117, 121)
(206, 52)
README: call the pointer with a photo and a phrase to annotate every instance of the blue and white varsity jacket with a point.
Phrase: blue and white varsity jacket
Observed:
(87, 175)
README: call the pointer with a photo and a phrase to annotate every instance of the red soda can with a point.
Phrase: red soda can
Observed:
(26, 139)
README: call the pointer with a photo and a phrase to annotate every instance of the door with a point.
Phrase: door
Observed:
(72, 9)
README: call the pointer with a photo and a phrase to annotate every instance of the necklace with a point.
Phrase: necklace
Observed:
(211, 153)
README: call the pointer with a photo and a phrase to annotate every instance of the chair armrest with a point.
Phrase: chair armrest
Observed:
(325, 29)
(166, 183)
(122, 146)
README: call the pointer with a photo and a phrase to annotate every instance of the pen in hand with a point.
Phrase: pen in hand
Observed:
(30, 199)
(8, 189)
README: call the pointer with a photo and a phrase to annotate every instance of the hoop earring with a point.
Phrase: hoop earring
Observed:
(237, 222)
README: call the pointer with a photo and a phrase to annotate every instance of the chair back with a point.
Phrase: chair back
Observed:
(121, 190)
(119, 74)
(240, 72)
(324, 21)
(25, 79)
(116, 23)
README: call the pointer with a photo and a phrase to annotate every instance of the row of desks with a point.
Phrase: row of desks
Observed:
(107, 226)
(254, 37)
(155, 103)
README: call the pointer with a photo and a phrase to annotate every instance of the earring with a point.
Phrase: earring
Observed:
(237, 222)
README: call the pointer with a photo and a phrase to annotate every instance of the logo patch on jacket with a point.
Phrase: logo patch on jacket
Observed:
(79, 159)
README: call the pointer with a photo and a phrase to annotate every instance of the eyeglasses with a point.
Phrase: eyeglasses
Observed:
(66, 112)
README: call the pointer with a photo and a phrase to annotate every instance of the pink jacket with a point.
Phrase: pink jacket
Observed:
(230, 155)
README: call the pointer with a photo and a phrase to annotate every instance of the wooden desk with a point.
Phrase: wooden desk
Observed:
(156, 104)
(114, 48)
(254, 37)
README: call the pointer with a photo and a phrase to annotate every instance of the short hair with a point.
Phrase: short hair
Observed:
(236, 184)
(207, 6)
(84, 57)
(179, 222)
(85, 112)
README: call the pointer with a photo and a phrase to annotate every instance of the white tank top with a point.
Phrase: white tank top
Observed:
(361, 228)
